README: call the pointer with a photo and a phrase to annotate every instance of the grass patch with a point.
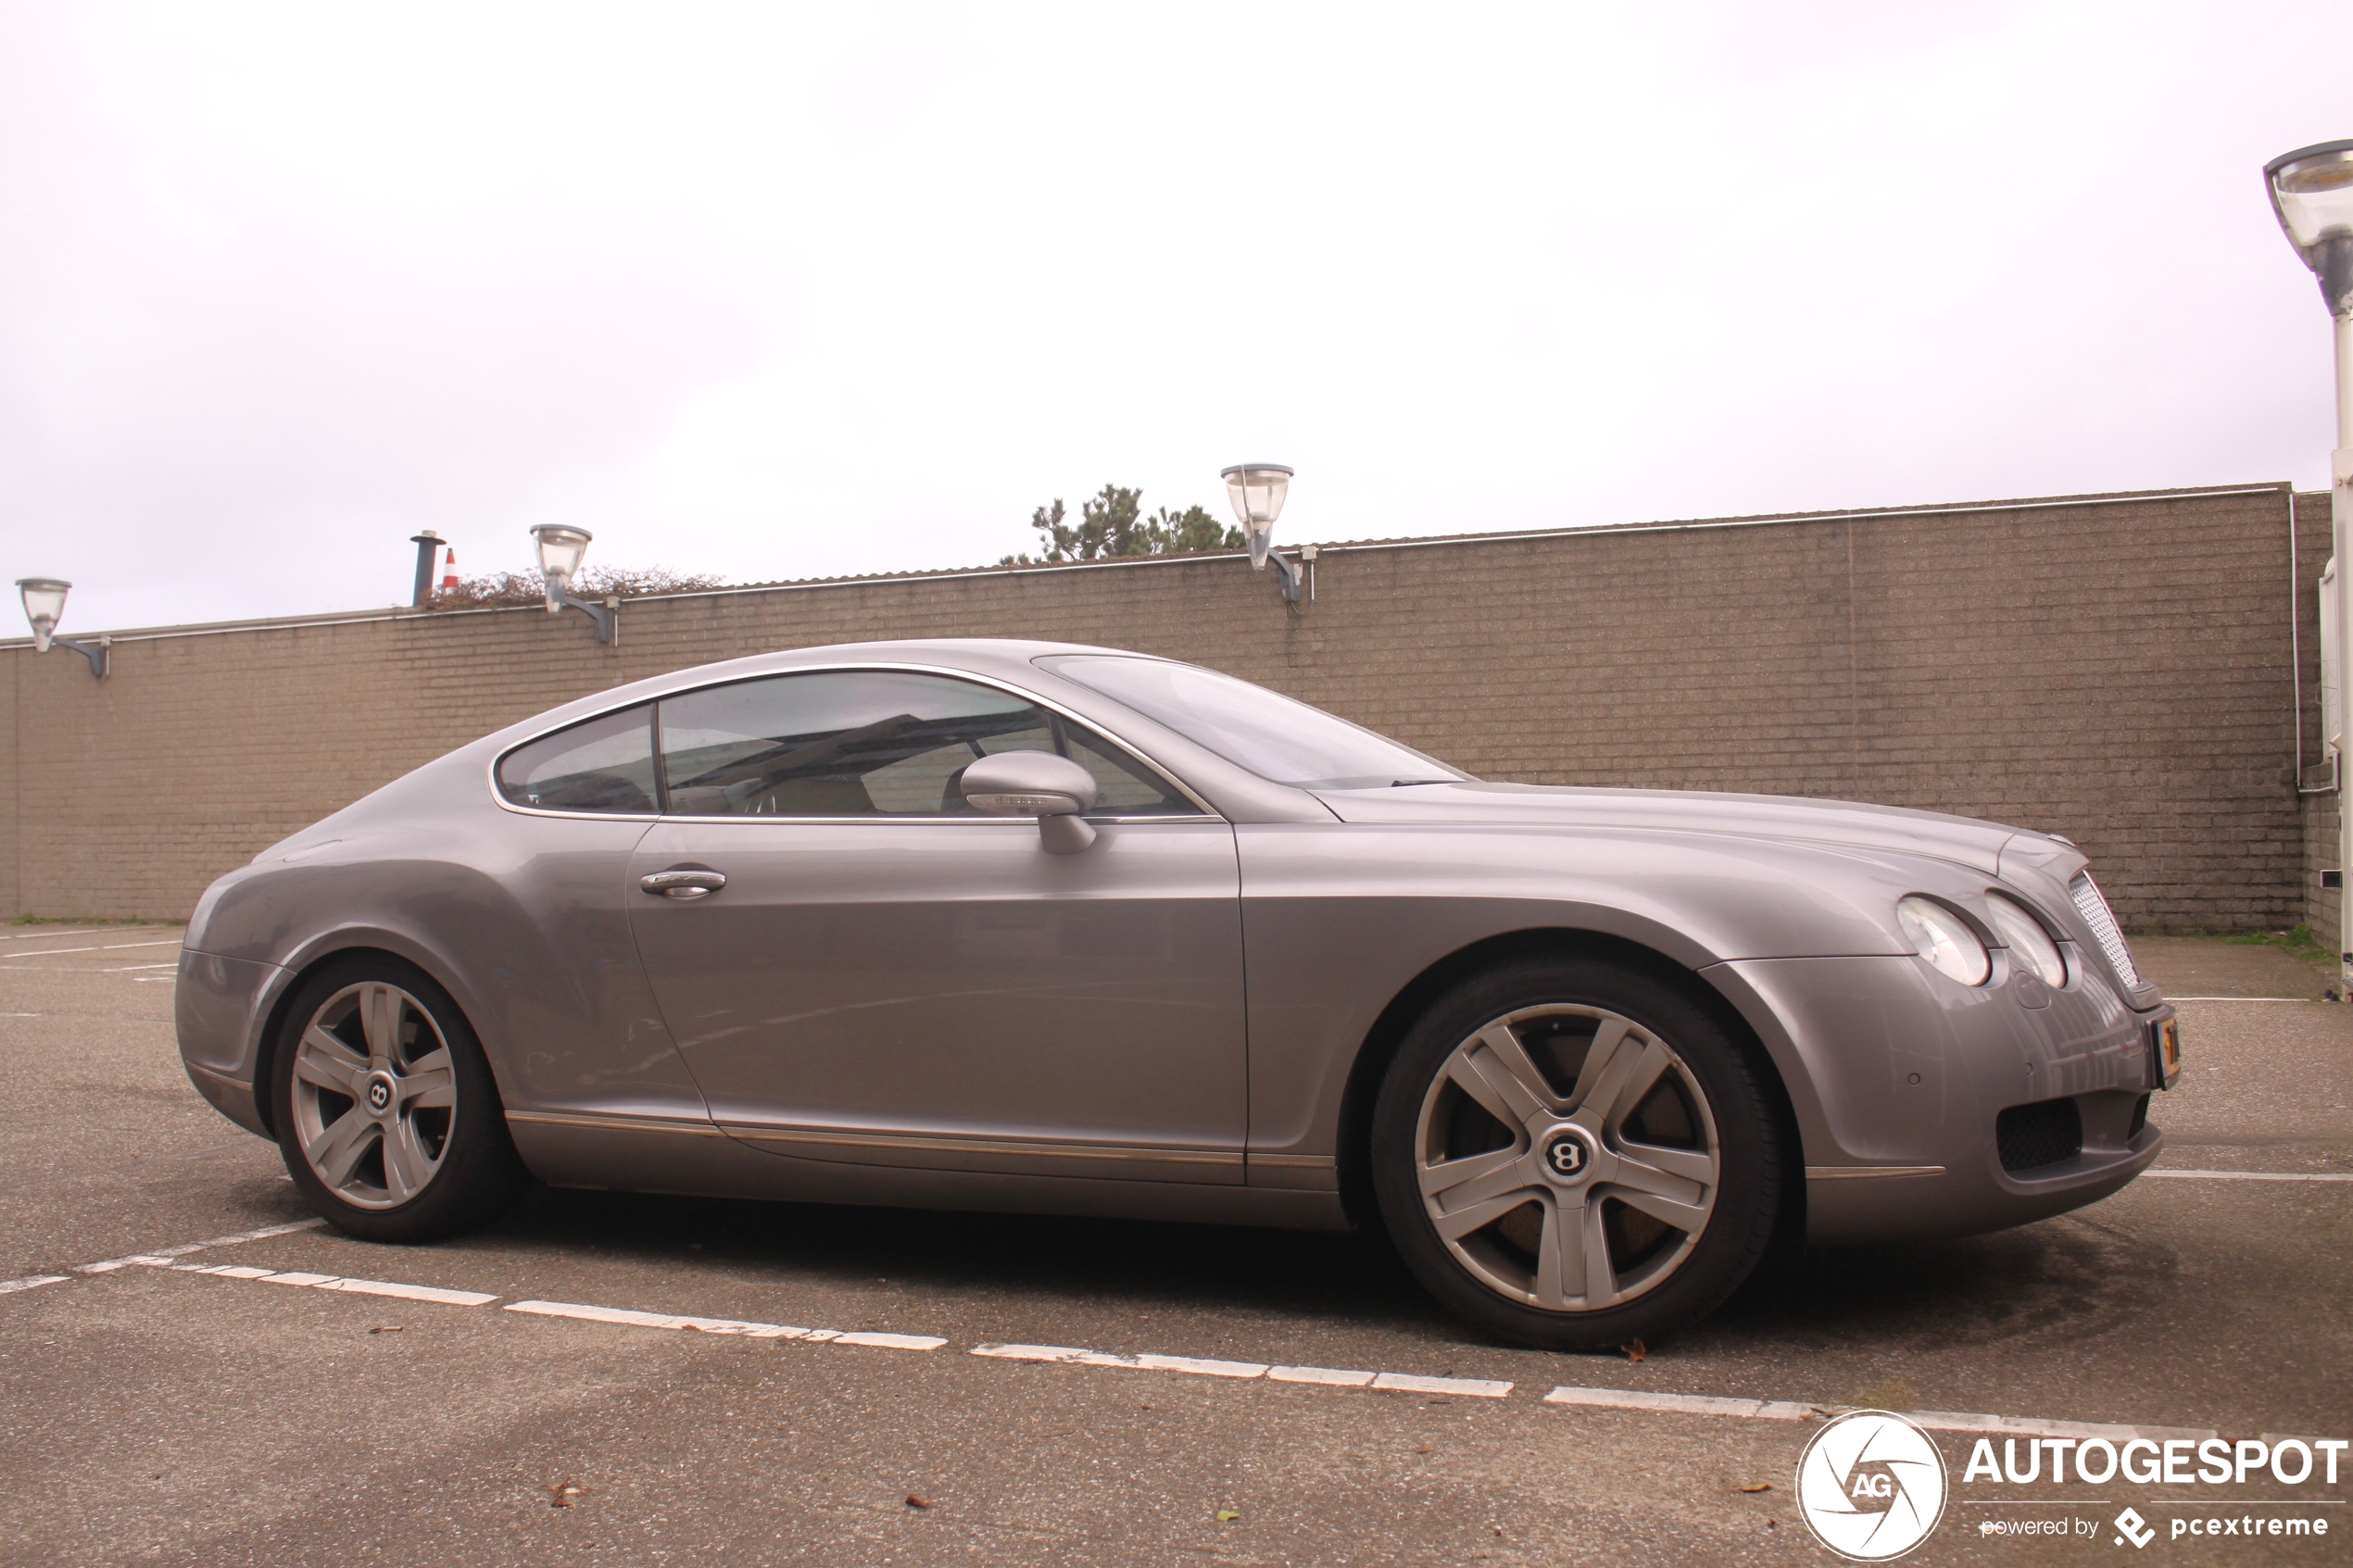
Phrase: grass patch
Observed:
(88, 919)
(2297, 942)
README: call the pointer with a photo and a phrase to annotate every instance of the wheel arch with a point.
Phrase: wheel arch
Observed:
(1381, 1042)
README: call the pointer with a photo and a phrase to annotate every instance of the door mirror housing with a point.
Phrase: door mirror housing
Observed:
(1034, 783)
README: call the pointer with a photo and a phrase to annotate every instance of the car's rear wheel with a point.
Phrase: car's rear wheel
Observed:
(387, 1115)
(1574, 1154)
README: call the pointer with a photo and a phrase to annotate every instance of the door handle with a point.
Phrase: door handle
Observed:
(684, 885)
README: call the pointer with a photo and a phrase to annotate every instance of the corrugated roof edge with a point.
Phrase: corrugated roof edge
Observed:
(405, 613)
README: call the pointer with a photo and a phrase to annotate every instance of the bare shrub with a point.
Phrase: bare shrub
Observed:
(596, 582)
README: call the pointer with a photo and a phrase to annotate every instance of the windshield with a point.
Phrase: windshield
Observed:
(1266, 732)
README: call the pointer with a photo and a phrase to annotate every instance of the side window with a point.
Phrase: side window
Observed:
(869, 744)
(604, 765)
(1124, 788)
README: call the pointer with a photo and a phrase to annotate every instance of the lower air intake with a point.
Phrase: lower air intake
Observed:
(2030, 1137)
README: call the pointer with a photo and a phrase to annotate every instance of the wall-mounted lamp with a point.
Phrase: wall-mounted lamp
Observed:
(560, 547)
(1257, 491)
(44, 606)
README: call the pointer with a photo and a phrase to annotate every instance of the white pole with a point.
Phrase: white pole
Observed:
(2341, 531)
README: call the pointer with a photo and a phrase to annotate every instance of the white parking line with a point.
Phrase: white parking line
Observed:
(1681, 1404)
(1068, 1355)
(1331, 1377)
(53, 936)
(165, 1254)
(1782, 1410)
(432, 1293)
(100, 947)
(2252, 1176)
(9, 1286)
(628, 1319)
(1195, 1365)
(1950, 1421)
(2241, 998)
(408, 1292)
(1473, 1387)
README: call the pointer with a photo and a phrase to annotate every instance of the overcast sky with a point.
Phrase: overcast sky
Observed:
(785, 293)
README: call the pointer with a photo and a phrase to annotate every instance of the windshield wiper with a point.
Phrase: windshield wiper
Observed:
(1399, 783)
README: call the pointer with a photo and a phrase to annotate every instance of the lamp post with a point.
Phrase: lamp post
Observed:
(1257, 491)
(44, 606)
(2311, 192)
(560, 547)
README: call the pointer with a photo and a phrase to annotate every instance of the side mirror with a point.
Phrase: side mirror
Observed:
(1035, 784)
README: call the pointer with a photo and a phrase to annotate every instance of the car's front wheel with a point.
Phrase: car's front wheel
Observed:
(1574, 1154)
(387, 1115)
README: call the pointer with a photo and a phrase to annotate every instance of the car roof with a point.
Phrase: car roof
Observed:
(1005, 657)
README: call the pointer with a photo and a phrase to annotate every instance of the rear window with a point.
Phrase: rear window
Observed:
(605, 764)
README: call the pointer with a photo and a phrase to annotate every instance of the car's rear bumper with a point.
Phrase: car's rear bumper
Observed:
(217, 1013)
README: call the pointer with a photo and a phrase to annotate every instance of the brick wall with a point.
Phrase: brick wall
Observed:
(2115, 669)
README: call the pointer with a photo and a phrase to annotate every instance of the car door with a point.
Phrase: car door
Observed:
(887, 978)
(564, 977)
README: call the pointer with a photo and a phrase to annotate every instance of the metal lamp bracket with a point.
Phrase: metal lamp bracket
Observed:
(606, 615)
(100, 654)
(1287, 571)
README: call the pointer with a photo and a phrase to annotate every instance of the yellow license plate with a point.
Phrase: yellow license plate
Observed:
(2169, 1051)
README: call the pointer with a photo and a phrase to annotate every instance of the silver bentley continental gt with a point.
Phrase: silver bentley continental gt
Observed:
(1029, 927)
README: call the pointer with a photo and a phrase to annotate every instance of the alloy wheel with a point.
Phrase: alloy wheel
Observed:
(1568, 1157)
(374, 1092)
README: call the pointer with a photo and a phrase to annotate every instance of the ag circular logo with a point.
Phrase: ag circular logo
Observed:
(379, 1093)
(1567, 1156)
(1871, 1486)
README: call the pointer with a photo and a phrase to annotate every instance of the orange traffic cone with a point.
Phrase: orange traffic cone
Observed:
(449, 573)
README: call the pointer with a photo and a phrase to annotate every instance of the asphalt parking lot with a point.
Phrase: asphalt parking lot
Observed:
(162, 1402)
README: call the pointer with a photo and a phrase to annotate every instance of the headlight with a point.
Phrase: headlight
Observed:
(1944, 939)
(2029, 943)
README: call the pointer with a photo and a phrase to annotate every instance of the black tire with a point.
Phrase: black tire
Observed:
(474, 1171)
(1737, 1139)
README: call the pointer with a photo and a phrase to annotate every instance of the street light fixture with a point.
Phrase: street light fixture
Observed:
(560, 547)
(2311, 192)
(44, 606)
(1257, 491)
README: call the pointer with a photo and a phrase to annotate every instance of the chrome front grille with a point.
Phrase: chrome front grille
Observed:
(2095, 913)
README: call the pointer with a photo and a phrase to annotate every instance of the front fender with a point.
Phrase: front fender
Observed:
(1338, 920)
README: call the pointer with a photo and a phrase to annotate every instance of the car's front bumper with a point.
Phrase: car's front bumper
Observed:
(1899, 1077)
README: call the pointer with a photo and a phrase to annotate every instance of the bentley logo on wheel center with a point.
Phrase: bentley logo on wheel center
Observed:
(1871, 1486)
(1566, 1155)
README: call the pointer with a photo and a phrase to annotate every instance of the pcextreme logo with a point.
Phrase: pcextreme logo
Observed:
(1871, 1486)
(2096, 1463)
